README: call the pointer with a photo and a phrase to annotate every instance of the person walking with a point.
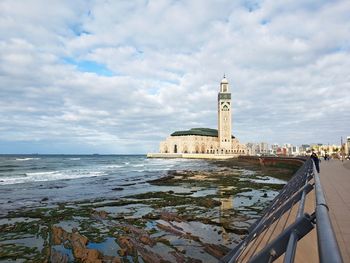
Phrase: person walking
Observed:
(316, 160)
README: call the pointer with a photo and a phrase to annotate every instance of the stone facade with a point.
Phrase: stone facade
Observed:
(199, 144)
(208, 141)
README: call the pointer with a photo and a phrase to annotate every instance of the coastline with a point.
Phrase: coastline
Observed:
(210, 215)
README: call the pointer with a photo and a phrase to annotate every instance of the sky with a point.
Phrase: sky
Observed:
(120, 76)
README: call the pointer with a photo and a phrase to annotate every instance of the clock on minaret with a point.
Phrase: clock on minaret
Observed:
(224, 117)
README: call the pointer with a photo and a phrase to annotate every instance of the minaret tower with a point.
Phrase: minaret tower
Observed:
(224, 117)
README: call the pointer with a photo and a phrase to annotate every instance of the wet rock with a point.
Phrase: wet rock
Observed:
(149, 256)
(100, 214)
(217, 251)
(127, 245)
(170, 229)
(145, 239)
(210, 203)
(176, 231)
(178, 256)
(116, 260)
(57, 257)
(111, 259)
(134, 230)
(44, 199)
(264, 195)
(151, 216)
(58, 235)
(163, 179)
(166, 216)
(92, 256)
(79, 245)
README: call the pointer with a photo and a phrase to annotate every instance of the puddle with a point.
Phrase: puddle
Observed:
(268, 180)
(64, 251)
(204, 192)
(130, 211)
(108, 247)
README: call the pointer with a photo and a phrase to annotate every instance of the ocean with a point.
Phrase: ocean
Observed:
(27, 180)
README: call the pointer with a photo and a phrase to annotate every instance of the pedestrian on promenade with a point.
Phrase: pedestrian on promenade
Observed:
(314, 157)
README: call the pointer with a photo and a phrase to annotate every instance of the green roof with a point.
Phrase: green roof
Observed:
(198, 131)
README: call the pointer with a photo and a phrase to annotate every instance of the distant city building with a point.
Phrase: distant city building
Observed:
(263, 148)
(274, 148)
(251, 148)
(304, 149)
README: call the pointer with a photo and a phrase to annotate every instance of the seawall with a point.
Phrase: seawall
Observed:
(192, 155)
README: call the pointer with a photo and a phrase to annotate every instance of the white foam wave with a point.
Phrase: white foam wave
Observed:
(138, 165)
(26, 159)
(114, 166)
(49, 176)
(74, 159)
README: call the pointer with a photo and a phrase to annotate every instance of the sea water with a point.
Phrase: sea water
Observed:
(37, 180)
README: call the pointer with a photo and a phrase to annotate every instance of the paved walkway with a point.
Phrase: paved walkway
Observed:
(335, 179)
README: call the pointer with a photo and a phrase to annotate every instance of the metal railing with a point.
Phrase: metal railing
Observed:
(262, 244)
(328, 248)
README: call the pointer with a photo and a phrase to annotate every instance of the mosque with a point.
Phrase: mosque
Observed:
(206, 142)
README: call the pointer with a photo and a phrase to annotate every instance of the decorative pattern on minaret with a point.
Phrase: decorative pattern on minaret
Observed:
(224, 117)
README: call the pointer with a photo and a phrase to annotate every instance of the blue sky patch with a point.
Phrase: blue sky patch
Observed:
(90, 66)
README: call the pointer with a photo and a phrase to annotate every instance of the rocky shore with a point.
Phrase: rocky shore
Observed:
(200, 223)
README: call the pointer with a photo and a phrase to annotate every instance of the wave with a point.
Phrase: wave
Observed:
(138, 165)
(74, 159)
(114, 166)
(26, 159)
(49, 176)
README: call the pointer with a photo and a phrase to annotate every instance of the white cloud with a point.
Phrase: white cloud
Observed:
(287, 64)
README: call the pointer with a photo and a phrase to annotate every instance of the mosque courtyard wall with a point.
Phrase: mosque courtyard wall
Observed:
(198, 145)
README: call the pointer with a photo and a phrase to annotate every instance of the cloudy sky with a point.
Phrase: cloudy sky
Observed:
(120, 76)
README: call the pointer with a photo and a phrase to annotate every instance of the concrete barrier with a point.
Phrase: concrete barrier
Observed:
(192, 155)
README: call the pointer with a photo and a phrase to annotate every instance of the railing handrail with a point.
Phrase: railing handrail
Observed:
(328, 249)
(295, 190)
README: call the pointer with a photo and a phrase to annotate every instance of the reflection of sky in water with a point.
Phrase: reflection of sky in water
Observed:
(131, 210)
(268, 180)
(108, 247)
(205, 192)
(64, 251)
(252, 197)
(246, 199)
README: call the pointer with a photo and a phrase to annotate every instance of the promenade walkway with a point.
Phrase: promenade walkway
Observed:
(335, 179)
